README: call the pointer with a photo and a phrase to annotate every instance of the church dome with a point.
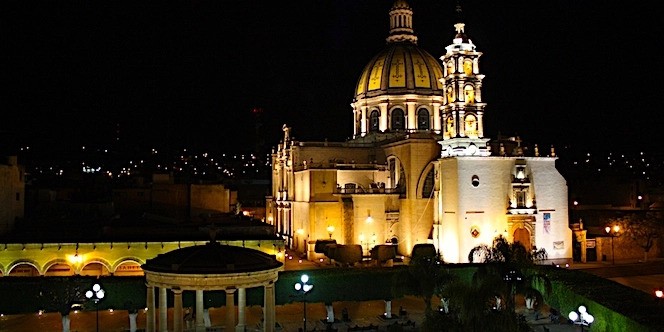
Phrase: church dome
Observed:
(402, 67)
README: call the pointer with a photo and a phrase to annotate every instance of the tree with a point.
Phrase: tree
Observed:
(642, 229)
(515, 265)
(60, 294)
(475, 307)
(424, 276)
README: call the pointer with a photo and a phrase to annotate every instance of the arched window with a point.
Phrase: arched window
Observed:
(423, 119)
(398, 120)
(450, 67)
(449, 126)
(427, 186)
(373, 121)
(468, 67)
(470, 126)
(469, 93)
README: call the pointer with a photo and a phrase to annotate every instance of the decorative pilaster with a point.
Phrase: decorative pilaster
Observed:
(436, 118)
(480, 124)
(412, 118)
(383, 116)
(363, 123)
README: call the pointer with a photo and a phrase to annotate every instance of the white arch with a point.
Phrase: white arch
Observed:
(123, 260)
(21, 262)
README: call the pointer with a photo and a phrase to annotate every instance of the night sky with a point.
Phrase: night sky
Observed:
(188, 73)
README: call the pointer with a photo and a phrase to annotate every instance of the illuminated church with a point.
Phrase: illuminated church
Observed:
(419, 168)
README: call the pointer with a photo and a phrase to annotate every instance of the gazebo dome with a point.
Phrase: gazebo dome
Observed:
(212, 258)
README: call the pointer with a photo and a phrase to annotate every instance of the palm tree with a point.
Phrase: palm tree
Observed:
(515, 265)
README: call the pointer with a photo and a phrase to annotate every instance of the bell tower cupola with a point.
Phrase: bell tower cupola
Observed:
(462, 110)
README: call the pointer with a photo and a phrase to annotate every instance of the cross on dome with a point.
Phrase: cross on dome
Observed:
(459, 27)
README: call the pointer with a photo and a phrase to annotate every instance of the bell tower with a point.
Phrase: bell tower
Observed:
(462, 109)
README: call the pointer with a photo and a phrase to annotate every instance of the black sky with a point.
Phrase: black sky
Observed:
(188, 73)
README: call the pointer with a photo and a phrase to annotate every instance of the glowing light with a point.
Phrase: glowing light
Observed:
(75, 259)
(573, 316)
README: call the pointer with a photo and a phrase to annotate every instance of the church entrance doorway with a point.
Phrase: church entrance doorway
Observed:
(522, 235)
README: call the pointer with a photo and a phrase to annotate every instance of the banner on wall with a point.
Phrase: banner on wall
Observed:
(547, 223)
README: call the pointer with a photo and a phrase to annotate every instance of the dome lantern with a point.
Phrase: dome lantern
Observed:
(401, 23)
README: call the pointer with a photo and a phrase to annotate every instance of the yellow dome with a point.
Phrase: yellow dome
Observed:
(401, 68)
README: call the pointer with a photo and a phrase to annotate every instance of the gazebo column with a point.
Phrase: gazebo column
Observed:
(241, 304)
(268, 304)
(163, 309)
(177, 310)
(230, 309)
(151, 318)
(200, 322)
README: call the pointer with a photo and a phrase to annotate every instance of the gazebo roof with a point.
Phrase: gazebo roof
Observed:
(212, 258)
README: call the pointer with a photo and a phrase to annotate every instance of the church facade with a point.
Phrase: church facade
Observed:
(418, 168)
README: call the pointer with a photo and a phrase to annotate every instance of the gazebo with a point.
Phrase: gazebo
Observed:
(210, 267)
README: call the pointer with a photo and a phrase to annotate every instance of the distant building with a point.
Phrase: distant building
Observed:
(12, 193)
(419, 168)
(189, 199)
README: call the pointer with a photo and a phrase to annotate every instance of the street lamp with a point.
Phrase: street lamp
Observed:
(512, 277)
(96, 294)
(330, 230)
(304, 288)
(612, 232)
(659, 293)
(582, 318)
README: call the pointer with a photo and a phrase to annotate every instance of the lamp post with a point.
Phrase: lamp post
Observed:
(304, 287)
(96, 294)
(582, 318)
(612, 232)
(330, 230)
(512, 277)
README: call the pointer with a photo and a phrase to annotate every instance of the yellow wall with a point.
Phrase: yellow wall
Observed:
(110, 255)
